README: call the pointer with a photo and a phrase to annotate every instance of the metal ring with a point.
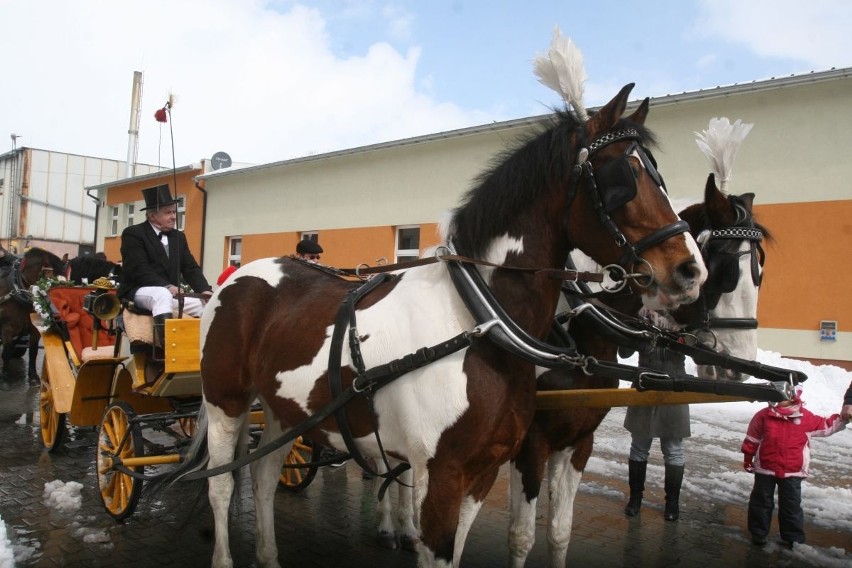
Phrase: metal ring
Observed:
(636, 276)
(439, 253)
(618, 285)
(358, 269)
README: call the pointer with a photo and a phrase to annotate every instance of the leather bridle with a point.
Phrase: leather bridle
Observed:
(597, 194)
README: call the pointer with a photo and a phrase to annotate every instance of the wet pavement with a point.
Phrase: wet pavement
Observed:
(331, 523)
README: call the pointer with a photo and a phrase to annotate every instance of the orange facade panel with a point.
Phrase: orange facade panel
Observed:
(194, 204)
(807, 272)
(345, 248)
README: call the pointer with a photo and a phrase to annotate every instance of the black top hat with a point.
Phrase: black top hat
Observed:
(156, 197)
(307, 246)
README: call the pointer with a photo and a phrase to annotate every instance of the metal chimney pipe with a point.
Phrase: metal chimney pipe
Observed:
(133, 132)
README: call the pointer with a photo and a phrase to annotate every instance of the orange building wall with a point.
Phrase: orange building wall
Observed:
(194, 203)
(345, 248)
(807, 273)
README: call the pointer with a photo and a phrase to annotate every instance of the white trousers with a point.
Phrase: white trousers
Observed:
(158, 300)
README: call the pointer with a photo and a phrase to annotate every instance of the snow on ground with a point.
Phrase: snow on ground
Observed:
(7, 555)
(714, 451)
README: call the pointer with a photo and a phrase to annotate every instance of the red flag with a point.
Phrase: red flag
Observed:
(160, 115)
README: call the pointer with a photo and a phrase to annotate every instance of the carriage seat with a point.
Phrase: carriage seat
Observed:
(68, 303)
(139, 324)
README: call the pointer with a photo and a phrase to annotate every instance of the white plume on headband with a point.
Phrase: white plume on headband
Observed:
(720, 144)
(562, 70)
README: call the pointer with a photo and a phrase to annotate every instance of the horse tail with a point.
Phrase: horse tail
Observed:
(196, 455)
(194, 459)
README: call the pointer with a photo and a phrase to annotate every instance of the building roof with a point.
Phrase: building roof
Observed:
(720, 91)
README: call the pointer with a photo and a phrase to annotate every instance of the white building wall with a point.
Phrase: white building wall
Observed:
(56, 208)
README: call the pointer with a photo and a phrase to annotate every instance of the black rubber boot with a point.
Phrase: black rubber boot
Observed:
(674, 479)
(156, 363)
(636, 471)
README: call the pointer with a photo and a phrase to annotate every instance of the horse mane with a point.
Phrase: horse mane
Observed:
(539, 162)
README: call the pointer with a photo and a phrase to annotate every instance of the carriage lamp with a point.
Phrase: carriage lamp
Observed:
(102, 306)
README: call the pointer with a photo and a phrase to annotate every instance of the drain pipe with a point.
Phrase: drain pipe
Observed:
(203, 219)
(97, 216)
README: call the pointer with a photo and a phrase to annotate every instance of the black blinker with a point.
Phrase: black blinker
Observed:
(616, 183)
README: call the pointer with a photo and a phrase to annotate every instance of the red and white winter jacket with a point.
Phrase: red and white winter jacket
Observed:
(779, 439)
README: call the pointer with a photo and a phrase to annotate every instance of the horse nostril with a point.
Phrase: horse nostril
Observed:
(689, 273)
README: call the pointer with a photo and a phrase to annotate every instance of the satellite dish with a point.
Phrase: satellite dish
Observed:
(220, 160)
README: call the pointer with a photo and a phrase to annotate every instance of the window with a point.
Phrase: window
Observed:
(407, 243)
(310, 236)
(131, 209)
(114, 220)
(181, 212)
(235, 251)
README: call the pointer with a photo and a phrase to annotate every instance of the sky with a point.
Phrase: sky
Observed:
(270, 80)
(717, 433)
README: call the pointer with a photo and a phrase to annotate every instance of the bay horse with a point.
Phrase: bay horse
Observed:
(269, 332)
(559, 443)
(16, 303)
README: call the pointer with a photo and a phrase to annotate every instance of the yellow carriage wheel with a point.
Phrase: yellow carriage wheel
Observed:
(119, 438)
(297, 478)
(52, 422)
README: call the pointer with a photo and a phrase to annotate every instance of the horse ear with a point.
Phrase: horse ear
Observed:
(65, 257)
(710, 190)
(610, 113)
(641, 113)
(748, 201)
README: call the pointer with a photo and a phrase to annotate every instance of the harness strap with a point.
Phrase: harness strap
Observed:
(288, 436)
(643, 379)
(346, 318)
(494, 322)
(655, 238)
(551, 273)
(641, 337)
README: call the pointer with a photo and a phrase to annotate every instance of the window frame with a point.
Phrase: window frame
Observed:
(235, 258)
(400, 254)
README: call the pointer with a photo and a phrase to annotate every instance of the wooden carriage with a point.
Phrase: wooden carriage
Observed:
(93, 378)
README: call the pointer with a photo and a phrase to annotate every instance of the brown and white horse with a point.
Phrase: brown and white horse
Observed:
(268, 332)
(559, 443)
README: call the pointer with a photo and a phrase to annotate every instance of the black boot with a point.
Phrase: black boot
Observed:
(156, 363)
(674, 479)
(636, 471)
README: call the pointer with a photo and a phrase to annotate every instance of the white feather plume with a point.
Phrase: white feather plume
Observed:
(562, 70)
(720, 144)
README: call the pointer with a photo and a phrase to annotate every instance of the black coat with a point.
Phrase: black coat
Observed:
(144, 261)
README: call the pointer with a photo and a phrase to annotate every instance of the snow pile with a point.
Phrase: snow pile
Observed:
(63, 497)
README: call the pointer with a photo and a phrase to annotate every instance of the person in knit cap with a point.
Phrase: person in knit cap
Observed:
(308, 250)
(776, 450)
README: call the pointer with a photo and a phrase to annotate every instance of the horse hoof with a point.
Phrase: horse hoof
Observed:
(408, 543)
(386, 540)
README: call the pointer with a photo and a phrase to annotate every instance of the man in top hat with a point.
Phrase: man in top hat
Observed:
(308, 250)
(154, 257)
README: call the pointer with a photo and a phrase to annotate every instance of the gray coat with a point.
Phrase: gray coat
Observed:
(669, 421)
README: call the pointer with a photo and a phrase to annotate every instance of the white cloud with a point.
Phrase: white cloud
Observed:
(259, 84)
(816, 32)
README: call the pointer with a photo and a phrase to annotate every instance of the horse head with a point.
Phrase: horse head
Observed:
(36, 263)
(725, 315)
(622, 216)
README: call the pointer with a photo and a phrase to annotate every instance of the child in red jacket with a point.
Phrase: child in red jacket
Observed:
(777, 451)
